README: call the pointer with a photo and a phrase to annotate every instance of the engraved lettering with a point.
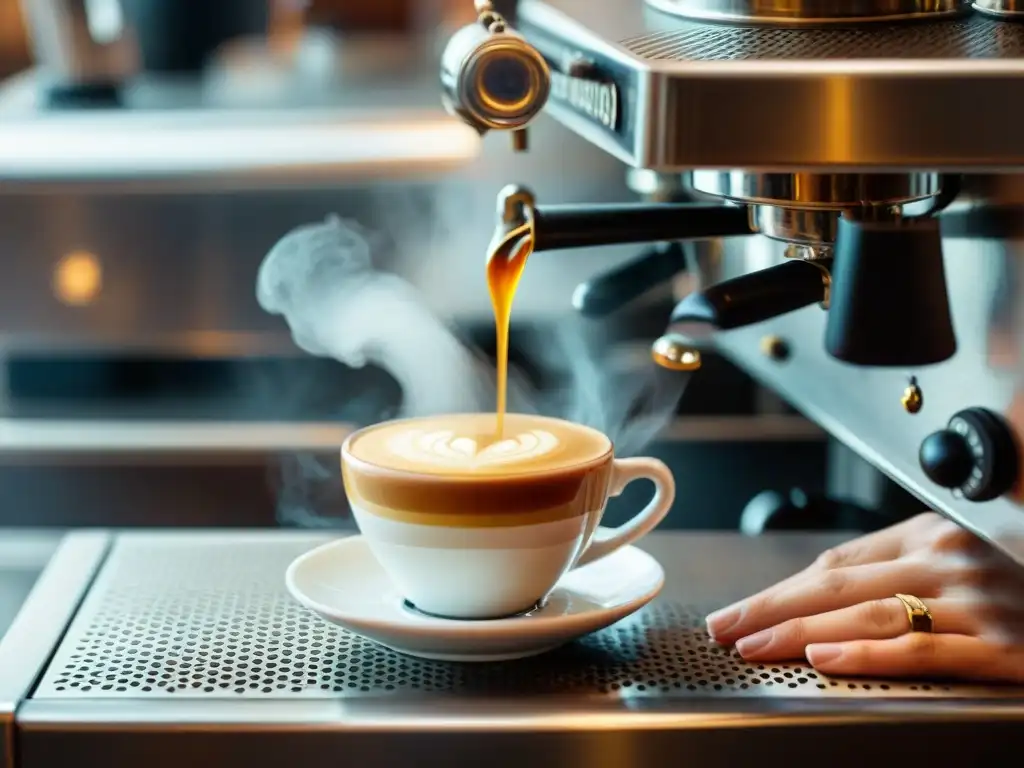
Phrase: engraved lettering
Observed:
(595, 99)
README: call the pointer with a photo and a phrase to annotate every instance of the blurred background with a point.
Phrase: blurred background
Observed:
(152, 152)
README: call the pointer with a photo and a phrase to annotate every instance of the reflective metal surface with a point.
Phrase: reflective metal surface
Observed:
(179, 280)
(817, 190)
(1003, 9)
(839, 101)
(674, 353)
(187, 645)
(944, 88)
(172, 131)
(786, 12)
(39, 625)
(863, 406)
(491, 77)
(796, 225)
(233, 149)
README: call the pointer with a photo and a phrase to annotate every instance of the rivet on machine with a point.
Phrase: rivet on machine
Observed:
(913, 398)
(675, 353)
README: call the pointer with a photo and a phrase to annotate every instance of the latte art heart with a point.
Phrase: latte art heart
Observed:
(445, 447)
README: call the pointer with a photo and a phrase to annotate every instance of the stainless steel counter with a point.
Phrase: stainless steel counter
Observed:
(28, 569)
(23, 555)
(186, 648)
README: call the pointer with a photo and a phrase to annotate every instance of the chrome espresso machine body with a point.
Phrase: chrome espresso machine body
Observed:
(862, 161)
(861, 180)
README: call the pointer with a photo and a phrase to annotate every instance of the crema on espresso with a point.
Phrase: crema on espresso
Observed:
(469, 444)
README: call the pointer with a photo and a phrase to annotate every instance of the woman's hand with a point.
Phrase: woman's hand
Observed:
(841, 613)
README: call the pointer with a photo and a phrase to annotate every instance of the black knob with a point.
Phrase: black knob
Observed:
(946, 458)
(976, 455)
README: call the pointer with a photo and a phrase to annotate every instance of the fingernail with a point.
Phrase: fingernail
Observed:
(722, 621)
(823, 653)
(748, 646)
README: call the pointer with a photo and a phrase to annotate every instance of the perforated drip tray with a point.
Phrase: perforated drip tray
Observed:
(207, 616)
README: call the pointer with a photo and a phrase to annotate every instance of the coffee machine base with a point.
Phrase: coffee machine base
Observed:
(178, 648)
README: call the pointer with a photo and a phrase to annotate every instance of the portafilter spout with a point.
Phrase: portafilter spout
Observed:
(883, 284)
(579, 226)
(884, 288)
(890, 306)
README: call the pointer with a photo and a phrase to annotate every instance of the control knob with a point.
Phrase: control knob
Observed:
(975, 455)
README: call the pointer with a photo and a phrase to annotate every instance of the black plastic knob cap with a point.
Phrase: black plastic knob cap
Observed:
(976, 455)
(946, 458)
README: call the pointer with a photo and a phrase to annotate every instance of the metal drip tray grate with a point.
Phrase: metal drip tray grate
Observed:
(202, 617)
(976, 38)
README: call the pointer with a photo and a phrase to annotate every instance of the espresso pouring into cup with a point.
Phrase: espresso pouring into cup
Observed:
(478, 516)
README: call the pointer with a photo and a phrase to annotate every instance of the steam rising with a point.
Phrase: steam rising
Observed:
(321, 279)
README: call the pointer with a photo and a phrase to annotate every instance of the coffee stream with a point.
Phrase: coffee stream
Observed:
(505, 264)
(475, 447)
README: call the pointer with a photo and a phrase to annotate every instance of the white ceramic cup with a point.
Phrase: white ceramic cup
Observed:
(477, 545)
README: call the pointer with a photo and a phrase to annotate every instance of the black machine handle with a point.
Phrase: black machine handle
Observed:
(580, 226)
(612, 290)
(758, 296)
(576, 226)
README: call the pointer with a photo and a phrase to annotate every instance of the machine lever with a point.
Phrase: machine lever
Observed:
(580, 226)
(606, 293)
(758, 296)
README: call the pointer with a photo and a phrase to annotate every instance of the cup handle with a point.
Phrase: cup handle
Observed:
(624, 471)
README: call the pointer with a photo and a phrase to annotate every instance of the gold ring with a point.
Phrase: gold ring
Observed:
(917, 612)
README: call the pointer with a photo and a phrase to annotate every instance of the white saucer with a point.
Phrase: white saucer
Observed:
(343, 583)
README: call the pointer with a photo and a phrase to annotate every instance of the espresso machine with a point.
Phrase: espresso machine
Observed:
(852, 157)
(860, 168)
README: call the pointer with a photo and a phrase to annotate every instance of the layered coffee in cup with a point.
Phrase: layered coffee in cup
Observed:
(477, 516)
(472, 524)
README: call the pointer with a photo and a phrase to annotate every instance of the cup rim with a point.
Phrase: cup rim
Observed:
(365, 465)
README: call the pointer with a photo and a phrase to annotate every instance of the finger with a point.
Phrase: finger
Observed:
(944, 537)
(921, 654)
(819, 593)
(983, 573)
(873, 620)
(880, 546)
(886, 544)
